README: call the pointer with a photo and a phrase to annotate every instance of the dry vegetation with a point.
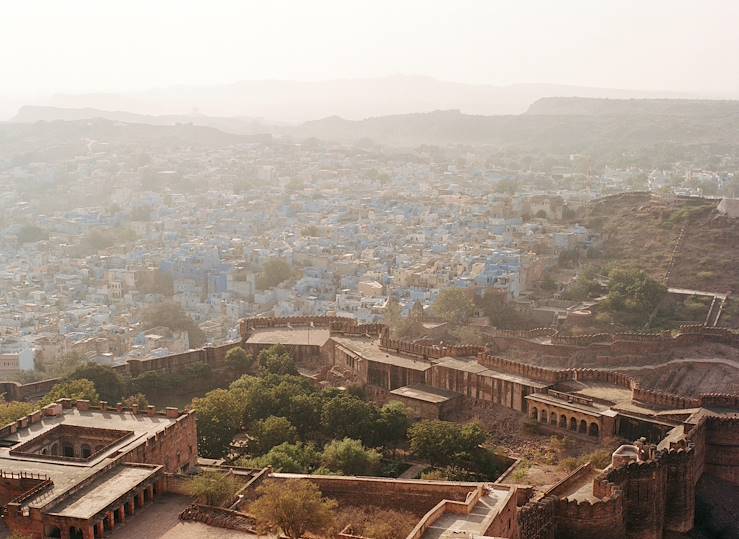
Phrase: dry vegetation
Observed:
(640, 229)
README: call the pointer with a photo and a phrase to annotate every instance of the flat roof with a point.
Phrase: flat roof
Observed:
(472, 366)
(290, 336)
(102, 491)
(369, 349)
(67, 474)
(575, 406)
(596, 390)
(425, 393)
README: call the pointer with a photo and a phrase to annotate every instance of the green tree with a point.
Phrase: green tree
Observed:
(277, 360)
(107, 383)
(293, 507)
(633, 295)
(440, 441)
(213, 488)
(32, 234)
(274, 272)
(150, 383)
(450, 473)
(498, 312)
(345, 416)
(79, 389)
(238, 361)
(10, 411)
(392, 426)
(220, 415)
(270, 432)
(287, 458)
(350, 457)
(172, 315)
(453, 305)
(139, 399)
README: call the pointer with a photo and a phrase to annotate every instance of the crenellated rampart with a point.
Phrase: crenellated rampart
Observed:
(537, 520)
(656, 345)
(583, 519)
(427, 351)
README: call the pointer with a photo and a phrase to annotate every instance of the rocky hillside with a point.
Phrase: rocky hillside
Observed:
(642, 230)
(687, 236)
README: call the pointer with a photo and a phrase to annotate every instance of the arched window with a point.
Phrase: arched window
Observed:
(583, 427)
(553, 419)
(534, 413)
(86, 451)
(573, 424)
(594, 430)
(68, 451)
(563, 421)
(53, 531)
(55, 449)
(543, 416)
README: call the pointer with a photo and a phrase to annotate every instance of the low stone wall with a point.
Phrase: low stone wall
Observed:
(416, 496)
(214, 356)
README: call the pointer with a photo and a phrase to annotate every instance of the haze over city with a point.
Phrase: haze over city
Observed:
(369, 270)
(87, 47)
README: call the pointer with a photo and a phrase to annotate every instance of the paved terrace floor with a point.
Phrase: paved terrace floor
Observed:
(460, 526)
(582, 489)
(160, 520)
(103, 491)
(290, 336)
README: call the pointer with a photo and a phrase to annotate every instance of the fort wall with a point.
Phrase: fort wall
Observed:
(603, 519)
(537, 519)
(415, 496)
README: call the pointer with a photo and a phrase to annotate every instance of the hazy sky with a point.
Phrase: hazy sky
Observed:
(100, 45)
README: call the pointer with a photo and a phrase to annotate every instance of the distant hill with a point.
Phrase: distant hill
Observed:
(299, 101)
(50, 141)
(602, 128)
(242, 126)
(596, 133)
(566, 106)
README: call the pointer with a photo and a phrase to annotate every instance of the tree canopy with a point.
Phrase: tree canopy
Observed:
(293, 507)
(440, 441)
(108, 384)
(633, 295)
(238, 361)
(273, 273)
(220, 415)
(350, 457)
(79, 389)
(453, 305)
(173, 316)
(270, 432)
(214, 488)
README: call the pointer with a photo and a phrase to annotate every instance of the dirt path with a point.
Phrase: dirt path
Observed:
(720, 361)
